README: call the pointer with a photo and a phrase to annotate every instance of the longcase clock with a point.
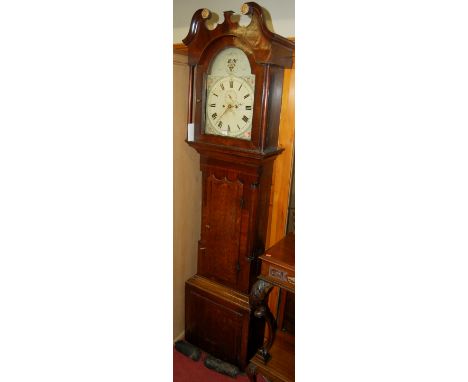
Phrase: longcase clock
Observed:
(235, 90)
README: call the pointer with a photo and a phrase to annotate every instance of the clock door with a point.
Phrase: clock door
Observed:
(221, 228)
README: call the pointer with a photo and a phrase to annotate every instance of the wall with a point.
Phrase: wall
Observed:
(187, 196)
(281, 12)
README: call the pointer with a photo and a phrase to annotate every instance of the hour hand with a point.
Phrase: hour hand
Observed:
(224, 112)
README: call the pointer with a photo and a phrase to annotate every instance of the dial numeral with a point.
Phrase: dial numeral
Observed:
(215, 94)
(212, 105)
(246, 96)
(229, 128)
(245, 119)
(240, 87)
(222, 87)
(238, 127)
(214, 115)
(220, 124)
(248, 107)
(231, 84)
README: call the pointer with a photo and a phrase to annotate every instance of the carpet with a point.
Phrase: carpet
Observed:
(186, 370)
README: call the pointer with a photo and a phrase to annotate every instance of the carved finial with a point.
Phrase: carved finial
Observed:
(205, 13)
(245, 8)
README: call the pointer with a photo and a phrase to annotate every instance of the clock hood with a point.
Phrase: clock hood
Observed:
(265, 46)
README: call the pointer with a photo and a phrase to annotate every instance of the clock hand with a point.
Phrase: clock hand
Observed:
(224, 112)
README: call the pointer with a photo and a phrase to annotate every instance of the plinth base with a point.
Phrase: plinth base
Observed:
(219, 321)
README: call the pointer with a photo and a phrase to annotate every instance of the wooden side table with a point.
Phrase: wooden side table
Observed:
(275, 359)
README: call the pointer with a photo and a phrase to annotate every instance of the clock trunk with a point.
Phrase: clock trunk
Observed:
(235, 206)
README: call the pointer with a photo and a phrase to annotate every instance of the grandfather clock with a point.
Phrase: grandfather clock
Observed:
(235, 89)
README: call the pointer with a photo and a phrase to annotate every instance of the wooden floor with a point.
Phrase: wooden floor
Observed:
(281, 365)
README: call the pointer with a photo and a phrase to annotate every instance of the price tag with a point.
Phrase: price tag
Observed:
(190, 132)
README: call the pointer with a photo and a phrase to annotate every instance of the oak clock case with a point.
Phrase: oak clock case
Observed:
(235, 90)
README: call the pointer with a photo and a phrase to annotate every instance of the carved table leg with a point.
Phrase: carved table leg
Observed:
(251, 372)
(258, 303)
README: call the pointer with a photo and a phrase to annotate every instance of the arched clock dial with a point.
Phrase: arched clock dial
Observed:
(230, 95)
(229, 108)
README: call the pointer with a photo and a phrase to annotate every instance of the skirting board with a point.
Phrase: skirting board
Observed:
(180, 336)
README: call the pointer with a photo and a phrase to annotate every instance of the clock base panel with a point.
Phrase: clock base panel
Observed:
(219, 321)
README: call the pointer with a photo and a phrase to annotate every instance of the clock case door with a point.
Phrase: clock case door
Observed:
(235, 207)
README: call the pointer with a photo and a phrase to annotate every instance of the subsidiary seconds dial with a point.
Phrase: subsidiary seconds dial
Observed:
(229, 108)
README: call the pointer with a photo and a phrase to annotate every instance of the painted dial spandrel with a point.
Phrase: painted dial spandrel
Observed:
(230, 95)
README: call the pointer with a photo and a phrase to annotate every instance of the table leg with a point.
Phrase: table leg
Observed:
(258, 303)
(251, 372)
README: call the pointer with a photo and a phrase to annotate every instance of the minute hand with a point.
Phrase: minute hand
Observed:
(224, 112)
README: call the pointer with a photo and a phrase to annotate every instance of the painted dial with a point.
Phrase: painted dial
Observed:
(229, 108)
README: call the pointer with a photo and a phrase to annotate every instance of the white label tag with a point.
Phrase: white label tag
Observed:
(190, 132)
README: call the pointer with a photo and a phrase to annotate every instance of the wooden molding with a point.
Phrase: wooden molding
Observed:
(181, 48)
